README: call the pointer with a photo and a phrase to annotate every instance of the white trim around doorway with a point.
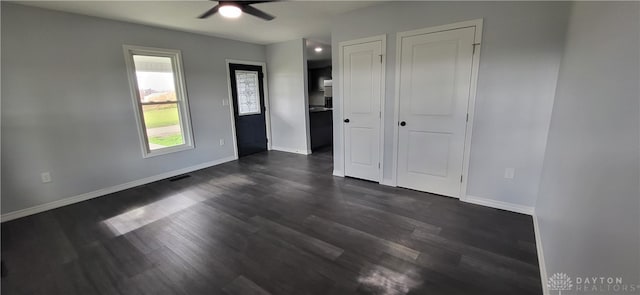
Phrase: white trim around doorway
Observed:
(267, 113)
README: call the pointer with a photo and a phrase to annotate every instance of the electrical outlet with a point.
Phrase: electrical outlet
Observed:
(509, 173)
(46, 177)
(221, 141)
(224, 102)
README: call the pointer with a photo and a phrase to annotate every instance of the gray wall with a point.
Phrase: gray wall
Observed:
(66, 104)
(521, 51)
(589, 205)
(288, 97)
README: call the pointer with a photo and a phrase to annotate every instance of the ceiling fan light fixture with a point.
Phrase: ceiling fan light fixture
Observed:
(230, 11)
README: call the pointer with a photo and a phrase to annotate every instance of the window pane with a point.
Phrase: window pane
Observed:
(248, 92)
(156, 81)
(163, 125)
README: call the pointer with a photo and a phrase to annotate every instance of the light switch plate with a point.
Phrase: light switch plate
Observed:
(46, 177)
(509, 173)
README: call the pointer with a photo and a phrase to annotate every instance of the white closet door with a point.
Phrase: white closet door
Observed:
(362, 81)
(435, 75)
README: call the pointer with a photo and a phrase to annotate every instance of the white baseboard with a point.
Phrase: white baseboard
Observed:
(108, 190)
(498, 204)
(338, 173)
(387, 182)
(542, 264)
(289, 150)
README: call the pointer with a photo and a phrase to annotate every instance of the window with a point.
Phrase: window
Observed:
(248, 96)
(160, 100)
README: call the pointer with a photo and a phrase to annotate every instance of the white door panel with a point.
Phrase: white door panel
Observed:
(435, 75)
(362, 78)
(364, 139)
(435, 81)
(434, 159)
(360, 94)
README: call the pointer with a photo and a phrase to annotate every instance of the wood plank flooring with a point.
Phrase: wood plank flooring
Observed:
(270, 223)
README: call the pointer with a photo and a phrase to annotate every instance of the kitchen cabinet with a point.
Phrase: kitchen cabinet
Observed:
(320, 127)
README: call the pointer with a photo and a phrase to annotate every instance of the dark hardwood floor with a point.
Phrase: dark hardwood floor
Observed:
(270, 223)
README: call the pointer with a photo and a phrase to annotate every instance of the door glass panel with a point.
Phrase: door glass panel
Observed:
(248, 93)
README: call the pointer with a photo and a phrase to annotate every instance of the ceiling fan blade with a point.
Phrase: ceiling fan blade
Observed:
(256, 12)
(210, 12)
(257, 2)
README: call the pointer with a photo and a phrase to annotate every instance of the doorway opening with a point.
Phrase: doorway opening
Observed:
(320, 92)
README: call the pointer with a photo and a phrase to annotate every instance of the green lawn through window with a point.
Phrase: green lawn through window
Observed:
(157, 116)
(160, 115)
(170, 140)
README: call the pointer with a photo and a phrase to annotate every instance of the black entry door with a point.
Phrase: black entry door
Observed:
(247, 90)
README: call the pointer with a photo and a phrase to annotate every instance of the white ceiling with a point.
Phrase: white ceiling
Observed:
(299, 19)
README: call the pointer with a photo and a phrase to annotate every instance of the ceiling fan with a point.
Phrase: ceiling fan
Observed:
(233, 9)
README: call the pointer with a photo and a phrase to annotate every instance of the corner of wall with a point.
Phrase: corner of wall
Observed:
(539, 249)
(387, 182)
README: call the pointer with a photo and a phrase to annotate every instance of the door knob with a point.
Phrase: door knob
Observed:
(346, 120)
(403, 123)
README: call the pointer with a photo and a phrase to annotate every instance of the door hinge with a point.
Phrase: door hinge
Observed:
(380, 115)
(474, 46)
(467, 117)
(378, 165)
(380, 58)
(460, 178)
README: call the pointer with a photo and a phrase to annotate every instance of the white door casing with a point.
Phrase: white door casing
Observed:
(230, 104)
(362, 90)
(435, 84)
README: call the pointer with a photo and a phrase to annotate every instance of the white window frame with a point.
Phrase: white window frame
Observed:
(181, 96)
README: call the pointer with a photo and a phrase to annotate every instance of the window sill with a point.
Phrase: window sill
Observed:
(168, 150)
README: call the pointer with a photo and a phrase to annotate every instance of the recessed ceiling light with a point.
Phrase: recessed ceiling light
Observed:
(318, 49)
(230, 11)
